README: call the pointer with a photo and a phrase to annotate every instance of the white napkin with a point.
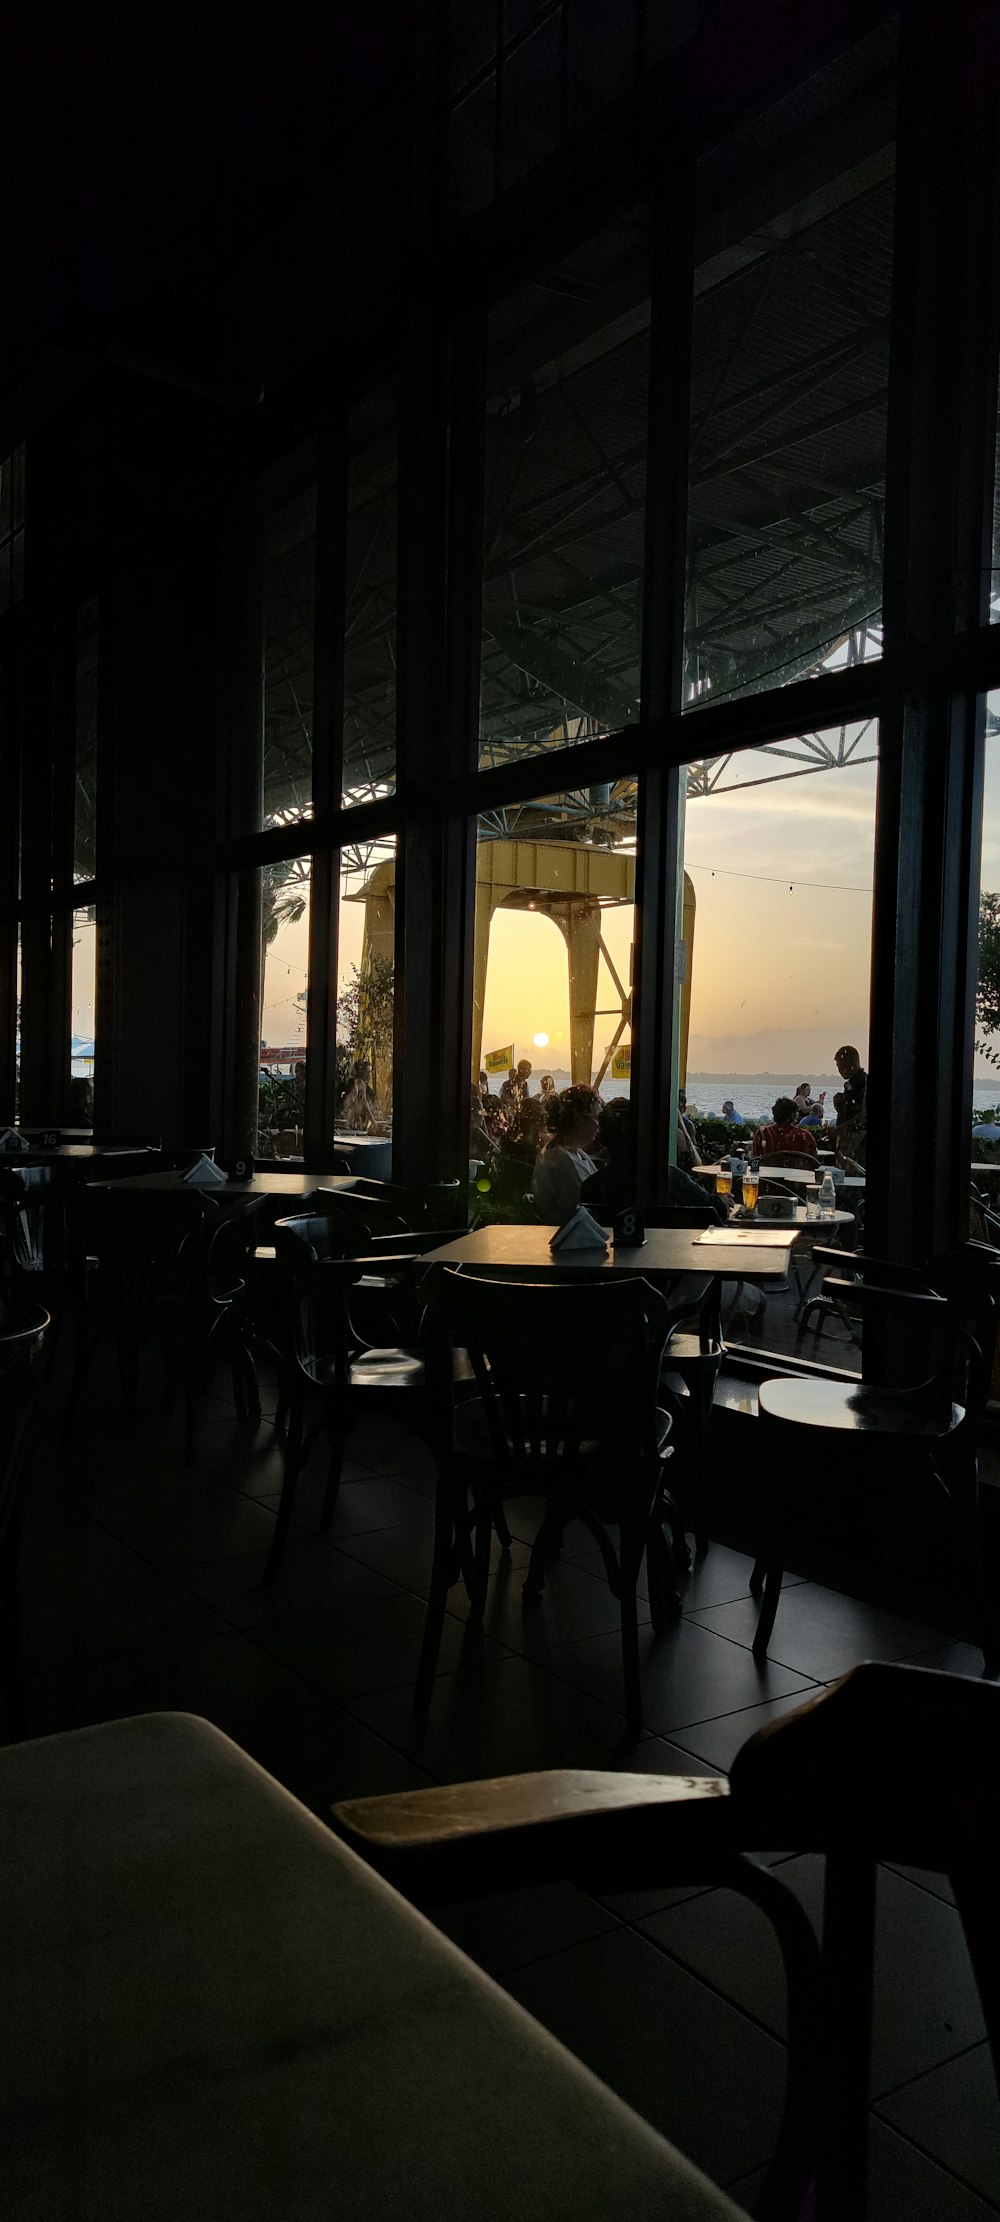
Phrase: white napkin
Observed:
(581, 1232)
(203, 1174)
(9, 1140)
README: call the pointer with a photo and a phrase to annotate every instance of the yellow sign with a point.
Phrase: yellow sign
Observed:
(621, 1064)
(499, 1060)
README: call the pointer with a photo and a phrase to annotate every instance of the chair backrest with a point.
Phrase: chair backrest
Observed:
(317, 1280)
(681, 1215)
(22, 1344)
(151, 1243)
(366, 1214)
(308, 1238)
(556, 1364)
(803, 1161)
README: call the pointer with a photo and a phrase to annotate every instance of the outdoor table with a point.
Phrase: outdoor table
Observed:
(798, 1217)
(217, 2010)
(796, 1175)
(367, 1154)
(668, 1253)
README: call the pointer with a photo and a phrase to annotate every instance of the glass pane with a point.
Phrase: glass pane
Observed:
(565, 501)
(366, 992)
(289, 614)
(774, 985)
(473, 154)
(531, 101)
(85, 744)
(789, 373)
(986, 1048)
(995, 575)
(284, 896)
(370, 624)
(83, 1002)
(602, 55)
(555, 913)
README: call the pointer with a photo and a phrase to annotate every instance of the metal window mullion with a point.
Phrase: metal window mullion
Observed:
(328, 780)
(658, 864)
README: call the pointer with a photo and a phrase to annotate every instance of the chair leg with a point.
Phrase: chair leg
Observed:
(769, 1607)
(500, 1528)
(289, 1480)
(447, 1543)
(630, 1563)
(757, 1576)
(338, 1439)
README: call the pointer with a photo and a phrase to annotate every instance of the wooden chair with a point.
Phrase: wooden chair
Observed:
(692, 1362)
(170, 1269)
(22, 1343)
(937, 1421)
(326, 1361)
(891, 1763)
(567, 1409)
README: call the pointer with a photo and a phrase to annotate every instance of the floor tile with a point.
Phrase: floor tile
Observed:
(506, 1720)
(684, 2058)
(358, 1649)
(85, 1597)
(405, 1554)
(903, 2186)
(926, 2003)
(954, 2115)
(820, 1632)
(718, 1741)
(376, 1502)
(311, 1578)
(510, 1929)
(688, 1674)
(573, 1604)
(315, 1748)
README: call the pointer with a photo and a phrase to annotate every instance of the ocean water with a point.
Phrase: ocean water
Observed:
(755, 1095)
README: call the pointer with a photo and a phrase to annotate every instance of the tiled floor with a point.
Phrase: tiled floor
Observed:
(143, 1589)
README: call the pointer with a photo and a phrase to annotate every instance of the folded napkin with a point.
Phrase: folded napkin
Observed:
(9, 1140)
(203, 1174)
(581, 1232)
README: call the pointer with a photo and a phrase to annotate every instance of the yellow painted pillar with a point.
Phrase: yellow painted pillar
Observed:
(687, 933)
(580, 922)
(485, 905)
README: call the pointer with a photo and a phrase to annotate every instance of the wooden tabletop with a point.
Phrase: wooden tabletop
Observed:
(293, 1186)
(220, 2012)
(666, 1252)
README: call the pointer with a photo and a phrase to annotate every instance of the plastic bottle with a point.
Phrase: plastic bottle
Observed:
(827, 1195)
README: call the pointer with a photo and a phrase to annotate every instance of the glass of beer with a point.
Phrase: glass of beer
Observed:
(723, 1181)
(751, 1187)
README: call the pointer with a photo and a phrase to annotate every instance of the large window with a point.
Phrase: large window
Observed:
(555, 918)
(778, 855)
(789, 382)
(285, 893)
(11, 529)
(85, 744)
(370, 611)
(366, 986)
(289, 617)
(83, 995)
(565, 501)
(986, 1048)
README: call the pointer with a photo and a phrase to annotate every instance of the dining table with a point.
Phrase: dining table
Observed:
(215, 2010)
(668, 1254)
(796, 1176)
(291, 1188)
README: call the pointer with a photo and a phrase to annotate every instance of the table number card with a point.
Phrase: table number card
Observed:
(628, 1230)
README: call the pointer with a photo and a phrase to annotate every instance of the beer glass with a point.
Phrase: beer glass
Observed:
(751, 1187)
(723, 1181)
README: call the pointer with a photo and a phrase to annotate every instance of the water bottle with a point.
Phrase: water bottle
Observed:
(827, 1196)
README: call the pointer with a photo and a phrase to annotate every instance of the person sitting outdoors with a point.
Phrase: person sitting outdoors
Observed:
(565, 1162)
(548, 1086)
(730, 1112)
(357, 1104)
(783, 1133)
(810, 1107)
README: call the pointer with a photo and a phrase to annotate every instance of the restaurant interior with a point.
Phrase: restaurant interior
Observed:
(499, 597)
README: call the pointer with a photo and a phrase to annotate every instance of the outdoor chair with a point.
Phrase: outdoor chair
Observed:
(23, 1333)
(36, 1245)
(893, 1763)
(325, 1361)
(951, 1310)
(170, 1269)
(567, 1409)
